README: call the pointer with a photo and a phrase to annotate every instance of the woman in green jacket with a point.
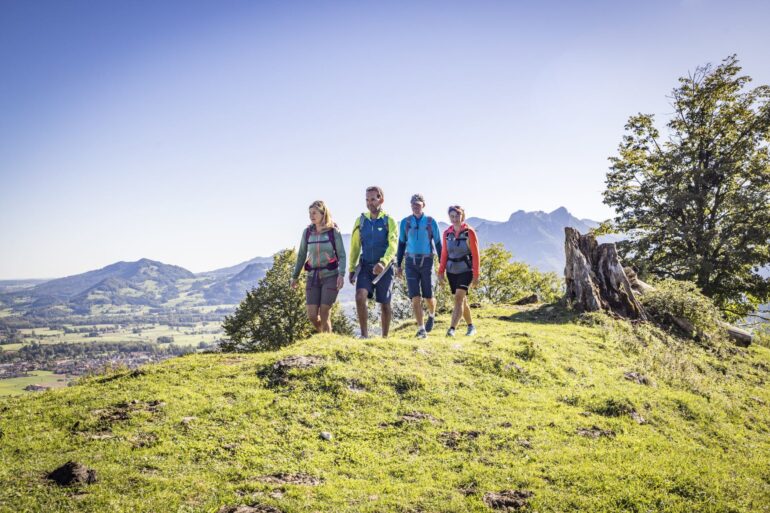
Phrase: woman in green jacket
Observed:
(322, 254)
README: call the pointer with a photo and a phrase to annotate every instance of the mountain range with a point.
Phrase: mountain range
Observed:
(536, 238)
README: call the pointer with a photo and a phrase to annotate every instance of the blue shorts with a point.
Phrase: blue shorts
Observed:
(419, 276)
(381, 291)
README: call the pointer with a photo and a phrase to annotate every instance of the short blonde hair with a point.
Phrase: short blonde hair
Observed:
(326, 219)
(460, 210)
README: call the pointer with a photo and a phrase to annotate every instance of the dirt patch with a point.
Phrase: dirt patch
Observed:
(414, 417)
(143, 440)
(259, 508)
(72, 473)
(595, 432)
(295, 479)
(639, 379)
(131, 374)
(452, 439)
(122, 411)
(508, 500)
(356, 386)
(278, 373)
(527, 300)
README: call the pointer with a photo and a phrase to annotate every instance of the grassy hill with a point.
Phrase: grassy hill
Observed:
(586, 413)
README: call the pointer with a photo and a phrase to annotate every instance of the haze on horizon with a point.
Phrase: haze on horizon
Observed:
(197, 133)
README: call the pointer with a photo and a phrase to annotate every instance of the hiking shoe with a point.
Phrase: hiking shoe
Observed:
(471, 330)
(429, 323)
(422, 333)
(450, 332)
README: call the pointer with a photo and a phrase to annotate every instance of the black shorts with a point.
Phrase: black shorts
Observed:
(460, 281)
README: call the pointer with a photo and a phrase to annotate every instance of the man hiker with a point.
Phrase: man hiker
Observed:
(418, 235)
(375, 240)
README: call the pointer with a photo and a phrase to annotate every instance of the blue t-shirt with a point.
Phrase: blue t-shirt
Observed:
(413, 237)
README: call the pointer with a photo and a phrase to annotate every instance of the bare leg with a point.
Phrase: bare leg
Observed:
(387, 314)
(467, 312)
(457, 311)
(417, 307)
(312, 315)
(431, 305)
(326, 323)
(361, 297)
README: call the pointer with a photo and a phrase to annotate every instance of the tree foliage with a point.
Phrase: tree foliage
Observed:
(502, 281)
(272, 315)
(696, 204)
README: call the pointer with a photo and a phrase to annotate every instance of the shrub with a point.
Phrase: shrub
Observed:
(674, 299)
(503, 281)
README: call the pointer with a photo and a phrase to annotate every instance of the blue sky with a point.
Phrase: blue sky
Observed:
(196, 133)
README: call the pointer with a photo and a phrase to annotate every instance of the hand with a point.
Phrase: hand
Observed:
(378, 268)
(441, 278)
(293, 284)
(340, 281)
(475, 282)
(399, 273)
(352, 278)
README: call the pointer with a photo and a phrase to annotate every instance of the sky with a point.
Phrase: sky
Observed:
(197, 133)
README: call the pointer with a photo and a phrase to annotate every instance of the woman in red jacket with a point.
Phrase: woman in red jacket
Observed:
(460, 262)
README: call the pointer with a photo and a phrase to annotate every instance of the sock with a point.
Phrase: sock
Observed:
(431, 314)
(420, 327)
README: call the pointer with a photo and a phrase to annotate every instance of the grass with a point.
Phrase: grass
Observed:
(499, 411)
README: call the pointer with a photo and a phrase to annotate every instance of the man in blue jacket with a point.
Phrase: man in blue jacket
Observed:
(418, 236)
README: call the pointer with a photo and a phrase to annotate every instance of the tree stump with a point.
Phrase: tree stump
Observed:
(595, 279)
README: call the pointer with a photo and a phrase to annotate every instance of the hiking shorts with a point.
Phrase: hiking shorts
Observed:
(321, 291)
(419, 276)
(381, 292)
(459, 281)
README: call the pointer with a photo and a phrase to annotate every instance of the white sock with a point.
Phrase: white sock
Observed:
(431, 314)
(420, 327)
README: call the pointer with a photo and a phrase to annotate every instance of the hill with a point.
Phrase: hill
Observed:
(559, 412)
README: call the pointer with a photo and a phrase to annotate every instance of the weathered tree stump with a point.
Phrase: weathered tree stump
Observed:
(595, 279)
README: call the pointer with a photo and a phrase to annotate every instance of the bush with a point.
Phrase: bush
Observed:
(502, 281)
(165, 340)
(341, 324)
(682, 300)
(272, 315)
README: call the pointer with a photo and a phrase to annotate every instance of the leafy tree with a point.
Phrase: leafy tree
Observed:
(272, 315)
(696, 205)
(503, 281)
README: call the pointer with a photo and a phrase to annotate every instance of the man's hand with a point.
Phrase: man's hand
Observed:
(399, 273)
(293, 284)
(352, 277)
(378, 268)
(475, 282)
(441, 278)
(340, 281)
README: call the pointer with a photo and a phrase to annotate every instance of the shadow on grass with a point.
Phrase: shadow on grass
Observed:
(553, 313)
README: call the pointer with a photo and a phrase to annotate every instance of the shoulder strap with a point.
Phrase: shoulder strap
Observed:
(332, 240)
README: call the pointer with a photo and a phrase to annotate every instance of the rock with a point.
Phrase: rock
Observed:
(528, 300)
(638, 378)
(326, 435)
(72, 473)
(186, 421)
(637, 418)
(508, 500)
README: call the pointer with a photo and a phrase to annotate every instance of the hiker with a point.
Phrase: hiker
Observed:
(418, 234)
(460, 261)
(322, 254)
(375, 240)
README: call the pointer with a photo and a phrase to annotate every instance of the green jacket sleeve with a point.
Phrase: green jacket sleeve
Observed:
(340, 251)
(355, 245)
(301, 256)
(390, 253)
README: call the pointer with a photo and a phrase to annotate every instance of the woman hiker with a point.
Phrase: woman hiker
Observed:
(322, 254)
(460, 262)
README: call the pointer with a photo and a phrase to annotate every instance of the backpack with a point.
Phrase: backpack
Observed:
(334, 263)
(468, 259)
(363, 218)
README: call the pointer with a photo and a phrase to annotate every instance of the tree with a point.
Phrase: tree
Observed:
(696, 206)
(272, 315)
(502, 281)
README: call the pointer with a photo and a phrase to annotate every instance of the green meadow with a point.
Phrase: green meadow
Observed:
(14, 386)
(576, 413)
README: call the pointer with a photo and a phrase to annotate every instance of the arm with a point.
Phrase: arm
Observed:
(301, 256)
(444, 256)
(390, 253)
(355, 246)
(340, 252)
(474, 243)
(436, 237)
(401, 245)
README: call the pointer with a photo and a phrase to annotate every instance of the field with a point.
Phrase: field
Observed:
(15, 386)
(568, 413)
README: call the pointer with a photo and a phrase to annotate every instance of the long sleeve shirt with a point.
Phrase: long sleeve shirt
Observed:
(473, 244)
(356, 243)
(320, 254)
